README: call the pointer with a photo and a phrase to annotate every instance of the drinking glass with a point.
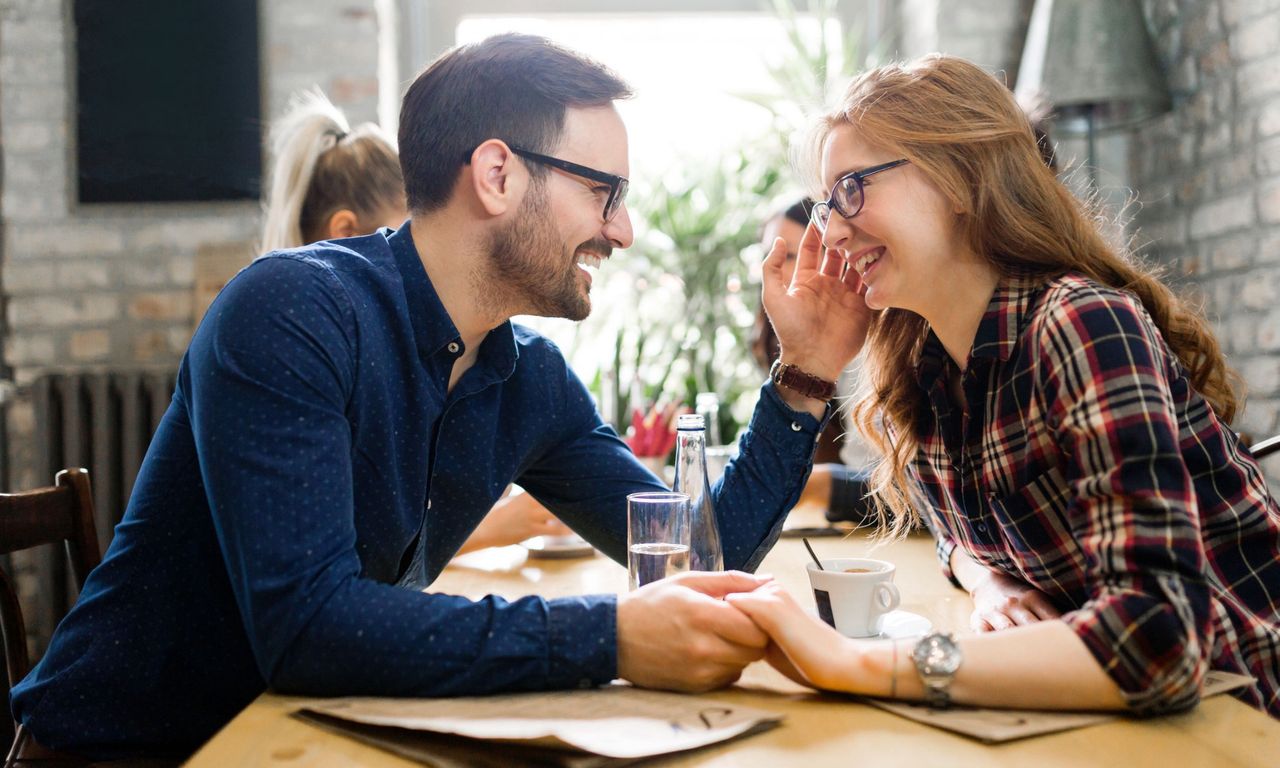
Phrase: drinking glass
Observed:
(657, 536)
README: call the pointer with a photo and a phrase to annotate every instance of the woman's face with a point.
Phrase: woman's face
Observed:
(902, 242)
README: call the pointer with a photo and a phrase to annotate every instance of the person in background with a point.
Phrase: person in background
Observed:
(838, 480)
(1059, 417)
(330, 181)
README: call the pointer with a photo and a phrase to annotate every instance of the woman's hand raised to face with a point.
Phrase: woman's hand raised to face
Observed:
(817, 311)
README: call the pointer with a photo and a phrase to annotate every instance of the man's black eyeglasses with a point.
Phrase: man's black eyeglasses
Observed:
(617, 184)
(847, 195)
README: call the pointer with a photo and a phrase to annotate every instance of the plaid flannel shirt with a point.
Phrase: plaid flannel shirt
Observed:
(1089, 467)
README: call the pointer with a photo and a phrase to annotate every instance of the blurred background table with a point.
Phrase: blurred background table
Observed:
(819, 730)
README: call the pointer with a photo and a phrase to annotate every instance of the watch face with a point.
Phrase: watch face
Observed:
(937, 654)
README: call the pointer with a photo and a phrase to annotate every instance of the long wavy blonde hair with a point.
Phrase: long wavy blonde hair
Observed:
(963, 129)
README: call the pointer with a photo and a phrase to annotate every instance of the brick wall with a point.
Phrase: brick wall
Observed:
(111, 285)
(100, 286)
(1208, 175)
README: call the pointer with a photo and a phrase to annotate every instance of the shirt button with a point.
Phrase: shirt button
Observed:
(428, 503)
(795, 426)
(453, 347)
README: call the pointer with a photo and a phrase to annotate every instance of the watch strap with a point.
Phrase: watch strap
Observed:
(801, 381)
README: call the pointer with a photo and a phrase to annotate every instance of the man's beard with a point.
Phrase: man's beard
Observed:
(529, 268)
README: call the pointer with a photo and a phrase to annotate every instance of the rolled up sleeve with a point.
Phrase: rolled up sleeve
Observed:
(1106, 381)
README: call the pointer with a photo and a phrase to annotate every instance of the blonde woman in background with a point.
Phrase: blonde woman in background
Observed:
(1063, 414)
(330, 181)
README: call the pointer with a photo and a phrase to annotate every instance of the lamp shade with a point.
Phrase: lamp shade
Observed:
(1092, 58)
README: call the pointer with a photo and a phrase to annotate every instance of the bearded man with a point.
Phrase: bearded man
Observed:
(348, 411)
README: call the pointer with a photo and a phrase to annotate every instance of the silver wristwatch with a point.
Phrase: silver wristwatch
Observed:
(937, 657)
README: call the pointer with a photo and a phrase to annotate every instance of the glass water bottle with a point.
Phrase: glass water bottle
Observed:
(691, 478)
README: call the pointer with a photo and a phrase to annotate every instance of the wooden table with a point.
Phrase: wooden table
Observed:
(819, 730)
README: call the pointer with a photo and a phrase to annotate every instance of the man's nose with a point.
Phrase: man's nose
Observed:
(618, 229)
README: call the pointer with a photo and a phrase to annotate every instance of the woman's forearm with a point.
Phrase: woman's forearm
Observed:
(1038, 666)
(966, 571)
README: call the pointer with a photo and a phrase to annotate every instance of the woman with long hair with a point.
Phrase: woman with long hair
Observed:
(329, 181)
(1056, 416)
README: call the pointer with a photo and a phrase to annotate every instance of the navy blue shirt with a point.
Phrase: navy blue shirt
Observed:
(313, 473)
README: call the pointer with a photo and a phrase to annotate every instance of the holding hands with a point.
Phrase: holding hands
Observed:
(679, 634)
(803, 647)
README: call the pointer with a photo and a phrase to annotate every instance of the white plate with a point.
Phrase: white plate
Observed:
(898, 624)
(555, 547)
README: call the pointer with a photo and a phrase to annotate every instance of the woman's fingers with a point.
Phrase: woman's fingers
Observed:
(833, 264)
(1039, 604)
(773, 269)
(990, 621)
(808, 644)
(809, 257)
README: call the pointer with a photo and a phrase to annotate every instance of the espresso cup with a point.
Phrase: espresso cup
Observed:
(853, 593)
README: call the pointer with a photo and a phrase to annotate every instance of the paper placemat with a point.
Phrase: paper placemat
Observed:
(994, 726)
(618, 721)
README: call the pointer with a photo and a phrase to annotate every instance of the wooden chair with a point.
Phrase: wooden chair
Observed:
(1265, 448)
(59, 514)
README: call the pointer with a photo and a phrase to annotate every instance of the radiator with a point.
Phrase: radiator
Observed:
(102, 421)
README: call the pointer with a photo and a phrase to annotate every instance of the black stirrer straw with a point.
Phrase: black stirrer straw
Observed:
(811, 554)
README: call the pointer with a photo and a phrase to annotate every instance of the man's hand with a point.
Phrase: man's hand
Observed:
(817, 311)
(678, 634)
(1001, 602)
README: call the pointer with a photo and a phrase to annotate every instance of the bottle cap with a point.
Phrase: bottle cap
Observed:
(690, 421)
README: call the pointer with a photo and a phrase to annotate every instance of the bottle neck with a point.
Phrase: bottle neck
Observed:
(691, 439)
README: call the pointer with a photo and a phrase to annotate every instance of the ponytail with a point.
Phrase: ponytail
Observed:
(322, 166)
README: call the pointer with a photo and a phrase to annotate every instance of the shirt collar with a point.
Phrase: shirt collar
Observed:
(1006, 312)
(998, 330)
(433, 329)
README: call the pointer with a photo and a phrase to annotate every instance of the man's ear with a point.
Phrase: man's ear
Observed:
(343, 223)
(497, 180)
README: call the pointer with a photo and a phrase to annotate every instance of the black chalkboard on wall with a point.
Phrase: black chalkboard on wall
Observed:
(168, 104)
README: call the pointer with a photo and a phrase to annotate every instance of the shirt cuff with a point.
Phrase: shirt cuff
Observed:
(1156, 660)
(582, 644)
(945, 546)
(780, 419)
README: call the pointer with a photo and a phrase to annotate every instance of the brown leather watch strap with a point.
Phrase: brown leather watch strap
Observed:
(787, 375)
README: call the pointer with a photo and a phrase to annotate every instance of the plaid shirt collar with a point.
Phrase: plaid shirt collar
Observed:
(998, 330)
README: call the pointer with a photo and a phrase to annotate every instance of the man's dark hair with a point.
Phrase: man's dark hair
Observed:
(511, 87)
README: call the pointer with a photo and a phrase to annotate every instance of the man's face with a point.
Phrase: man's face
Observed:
(529, 259)
(545, 257)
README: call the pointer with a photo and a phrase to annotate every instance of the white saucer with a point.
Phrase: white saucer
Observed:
(898, 624)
